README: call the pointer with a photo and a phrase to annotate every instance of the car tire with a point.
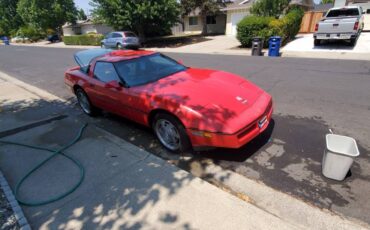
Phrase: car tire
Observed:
(317, 42)
(85, 103)
(119, 46)
(352, 42)
(103, 46)
(171, 133)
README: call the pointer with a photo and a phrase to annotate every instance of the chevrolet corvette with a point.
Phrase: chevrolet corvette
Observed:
(186, 107)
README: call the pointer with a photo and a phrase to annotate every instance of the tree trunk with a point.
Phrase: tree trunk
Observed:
(204, 21)
(141, 33)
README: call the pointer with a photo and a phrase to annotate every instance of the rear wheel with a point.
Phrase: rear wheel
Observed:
(84, 102)
(171, 133)
(352, 42)
(317, 42)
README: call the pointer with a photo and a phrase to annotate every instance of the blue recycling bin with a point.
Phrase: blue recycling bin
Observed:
(274, 46)
(6, 40)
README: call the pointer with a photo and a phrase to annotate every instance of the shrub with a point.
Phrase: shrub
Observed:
(30, 32)
(84, 40)
(265, 27)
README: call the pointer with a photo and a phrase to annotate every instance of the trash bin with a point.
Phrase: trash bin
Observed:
(274, 46)
(338, 157)
(257, 45)
(6, 41)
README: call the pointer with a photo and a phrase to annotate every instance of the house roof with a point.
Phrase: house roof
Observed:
(238, 4)
(323, 7)
(304, 3)
(79, 23)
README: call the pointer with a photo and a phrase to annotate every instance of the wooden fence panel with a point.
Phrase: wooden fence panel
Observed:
(309, 21)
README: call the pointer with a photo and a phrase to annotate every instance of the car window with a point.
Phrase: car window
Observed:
(147, 69)
(130, 34)
(105, 72)
(343, 13)
(116, 35)
(108, 35)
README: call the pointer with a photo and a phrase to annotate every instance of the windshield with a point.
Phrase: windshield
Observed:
(343, 13)
(83, 58)
(146, 69)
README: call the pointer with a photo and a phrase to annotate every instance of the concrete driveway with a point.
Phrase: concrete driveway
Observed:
(304, 44)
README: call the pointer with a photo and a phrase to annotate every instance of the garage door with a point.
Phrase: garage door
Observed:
(235, 19)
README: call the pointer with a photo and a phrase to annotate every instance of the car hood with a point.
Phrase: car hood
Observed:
(218, 96)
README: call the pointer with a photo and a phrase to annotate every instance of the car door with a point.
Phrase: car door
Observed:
(114, 100)
(117, 38)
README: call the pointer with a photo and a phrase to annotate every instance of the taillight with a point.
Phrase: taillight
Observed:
(355, 27)
(316, 27)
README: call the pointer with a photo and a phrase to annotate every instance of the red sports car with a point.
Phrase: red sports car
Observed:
(186, 107)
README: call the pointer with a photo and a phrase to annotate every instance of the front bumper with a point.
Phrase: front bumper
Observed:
(236, 140)
(335, 36)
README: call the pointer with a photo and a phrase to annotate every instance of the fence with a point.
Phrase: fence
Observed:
(309, 21)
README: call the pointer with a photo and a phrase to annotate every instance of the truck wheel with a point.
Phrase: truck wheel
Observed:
(317, 42)
(352, 42)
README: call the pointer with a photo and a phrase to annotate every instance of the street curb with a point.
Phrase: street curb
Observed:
(18, 213)
(32, 89)
(280, 204)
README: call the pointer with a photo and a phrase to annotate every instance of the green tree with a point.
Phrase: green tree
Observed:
(47, 14)
(206, 8)
(327, 1)
(269, 8)
(140, 16)
(10, 21)
(81, 15)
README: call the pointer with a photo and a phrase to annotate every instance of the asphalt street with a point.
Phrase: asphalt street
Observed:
(310, 95)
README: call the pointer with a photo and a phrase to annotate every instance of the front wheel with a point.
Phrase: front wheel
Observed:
(119, 46)
(171, 133)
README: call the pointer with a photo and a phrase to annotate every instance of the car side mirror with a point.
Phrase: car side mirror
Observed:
(113, 85)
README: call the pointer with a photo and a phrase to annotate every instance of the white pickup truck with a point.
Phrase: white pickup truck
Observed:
(344, 23)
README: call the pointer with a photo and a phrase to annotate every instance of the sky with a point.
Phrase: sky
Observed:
(84, 4)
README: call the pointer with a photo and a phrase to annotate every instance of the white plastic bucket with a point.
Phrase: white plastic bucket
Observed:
(339, 155)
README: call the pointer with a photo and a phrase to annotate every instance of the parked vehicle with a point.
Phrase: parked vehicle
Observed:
(340, 24)
(53, 38)
(185, 106)
(121, 40)
(19, 39)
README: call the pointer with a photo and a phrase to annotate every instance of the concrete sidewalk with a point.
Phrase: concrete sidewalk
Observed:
(128, 188)
(303, 46)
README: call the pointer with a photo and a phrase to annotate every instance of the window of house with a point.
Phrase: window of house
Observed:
(211, 20)
(193, 21)
(105, 72)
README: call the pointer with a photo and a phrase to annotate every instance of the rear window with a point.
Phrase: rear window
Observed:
(343, 13)
(130, 34)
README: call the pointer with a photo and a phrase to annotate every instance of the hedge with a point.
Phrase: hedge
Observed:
(84, 40)
(265, 27)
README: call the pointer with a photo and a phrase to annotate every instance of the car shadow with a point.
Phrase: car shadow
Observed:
(334, 45)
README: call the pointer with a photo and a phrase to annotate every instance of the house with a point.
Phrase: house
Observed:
(85, 27)
(365, 4)
(193, 23)
(235, 12)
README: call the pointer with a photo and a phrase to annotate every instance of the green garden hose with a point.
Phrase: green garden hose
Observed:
(55, 153)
